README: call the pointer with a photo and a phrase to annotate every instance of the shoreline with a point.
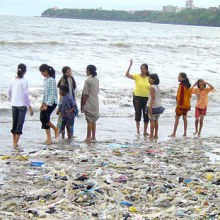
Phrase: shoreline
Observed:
(150, 22)
(117, 128)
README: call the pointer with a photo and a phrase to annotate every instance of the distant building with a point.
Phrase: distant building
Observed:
(213, 8)
(171, 8)
(55, 8)
(178, 9)
(189, 4)
(132, 12)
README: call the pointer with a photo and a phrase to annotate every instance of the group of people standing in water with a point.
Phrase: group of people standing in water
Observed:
(67, 108)
(146, 100)
(147, 87)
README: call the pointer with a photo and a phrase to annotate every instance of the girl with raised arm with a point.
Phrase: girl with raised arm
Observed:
(140, 95)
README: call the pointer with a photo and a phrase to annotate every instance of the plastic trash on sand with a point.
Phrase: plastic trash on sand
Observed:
(167, 180)
(118, 145)
(37, 164)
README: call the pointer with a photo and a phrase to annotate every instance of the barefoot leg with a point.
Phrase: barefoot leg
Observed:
(196, 126)
(185, 125)
(94, 131)
(49, 139)
(145, 128)
(201, 124)
(138, 127)
(152, 127)
(175, 126)
(156, 129)
(56, 130)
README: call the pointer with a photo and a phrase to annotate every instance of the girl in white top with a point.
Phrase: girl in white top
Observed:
(155, 108)
(19, 97)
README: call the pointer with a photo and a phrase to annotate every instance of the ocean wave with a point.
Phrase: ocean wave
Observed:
(82, 34)
(23, 43)
(120, 44)
(109, 98)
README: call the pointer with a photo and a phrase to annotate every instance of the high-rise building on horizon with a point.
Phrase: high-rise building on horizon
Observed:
(189, 4)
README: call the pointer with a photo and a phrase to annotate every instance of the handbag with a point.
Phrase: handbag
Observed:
(156, 111)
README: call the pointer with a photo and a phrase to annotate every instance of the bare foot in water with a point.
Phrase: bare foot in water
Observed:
(88, 140)
(156, 137)
(172, 136)
(57, 134)
(15, 145)
(151, 139)
(48, 142)
(94, 140)
(145, 134)
(199, 134)
(184, 135)
(195, 133)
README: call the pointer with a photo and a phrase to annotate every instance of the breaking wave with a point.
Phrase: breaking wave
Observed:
(23, 43)
(109, 98)
(121, 45)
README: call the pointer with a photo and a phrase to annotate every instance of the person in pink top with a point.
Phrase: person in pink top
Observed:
(202, 103)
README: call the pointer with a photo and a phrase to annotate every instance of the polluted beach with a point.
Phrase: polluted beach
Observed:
(120, 174)
(169, 180)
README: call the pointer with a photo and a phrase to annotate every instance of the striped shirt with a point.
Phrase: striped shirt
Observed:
(50, 91)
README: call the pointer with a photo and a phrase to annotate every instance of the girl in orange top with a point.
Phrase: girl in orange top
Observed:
(183, 102)
(202, 103)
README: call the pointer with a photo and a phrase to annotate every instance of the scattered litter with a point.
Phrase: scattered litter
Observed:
(170, 180)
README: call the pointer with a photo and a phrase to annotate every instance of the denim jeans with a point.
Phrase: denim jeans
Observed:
(67, 123)
(18, 116)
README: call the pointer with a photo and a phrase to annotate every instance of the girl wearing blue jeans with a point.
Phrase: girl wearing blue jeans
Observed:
(19, 97)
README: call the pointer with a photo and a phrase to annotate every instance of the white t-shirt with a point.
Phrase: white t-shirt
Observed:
(157, 99)
(18, 93)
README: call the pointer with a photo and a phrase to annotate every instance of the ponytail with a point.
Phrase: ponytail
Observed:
(21, 70)
(92, 70)
(185, 80)
(49, 69)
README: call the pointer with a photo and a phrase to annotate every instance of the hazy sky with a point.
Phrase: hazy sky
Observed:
(36, 7)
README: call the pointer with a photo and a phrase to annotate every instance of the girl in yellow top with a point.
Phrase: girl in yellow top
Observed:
(141, 95)
(202, 103)
(183, 97)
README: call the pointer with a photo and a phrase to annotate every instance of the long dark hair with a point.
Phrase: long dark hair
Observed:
(49, 69)
(92, 69)
(185, 80)
(64, 70)
(146, 67)
(21, 70)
